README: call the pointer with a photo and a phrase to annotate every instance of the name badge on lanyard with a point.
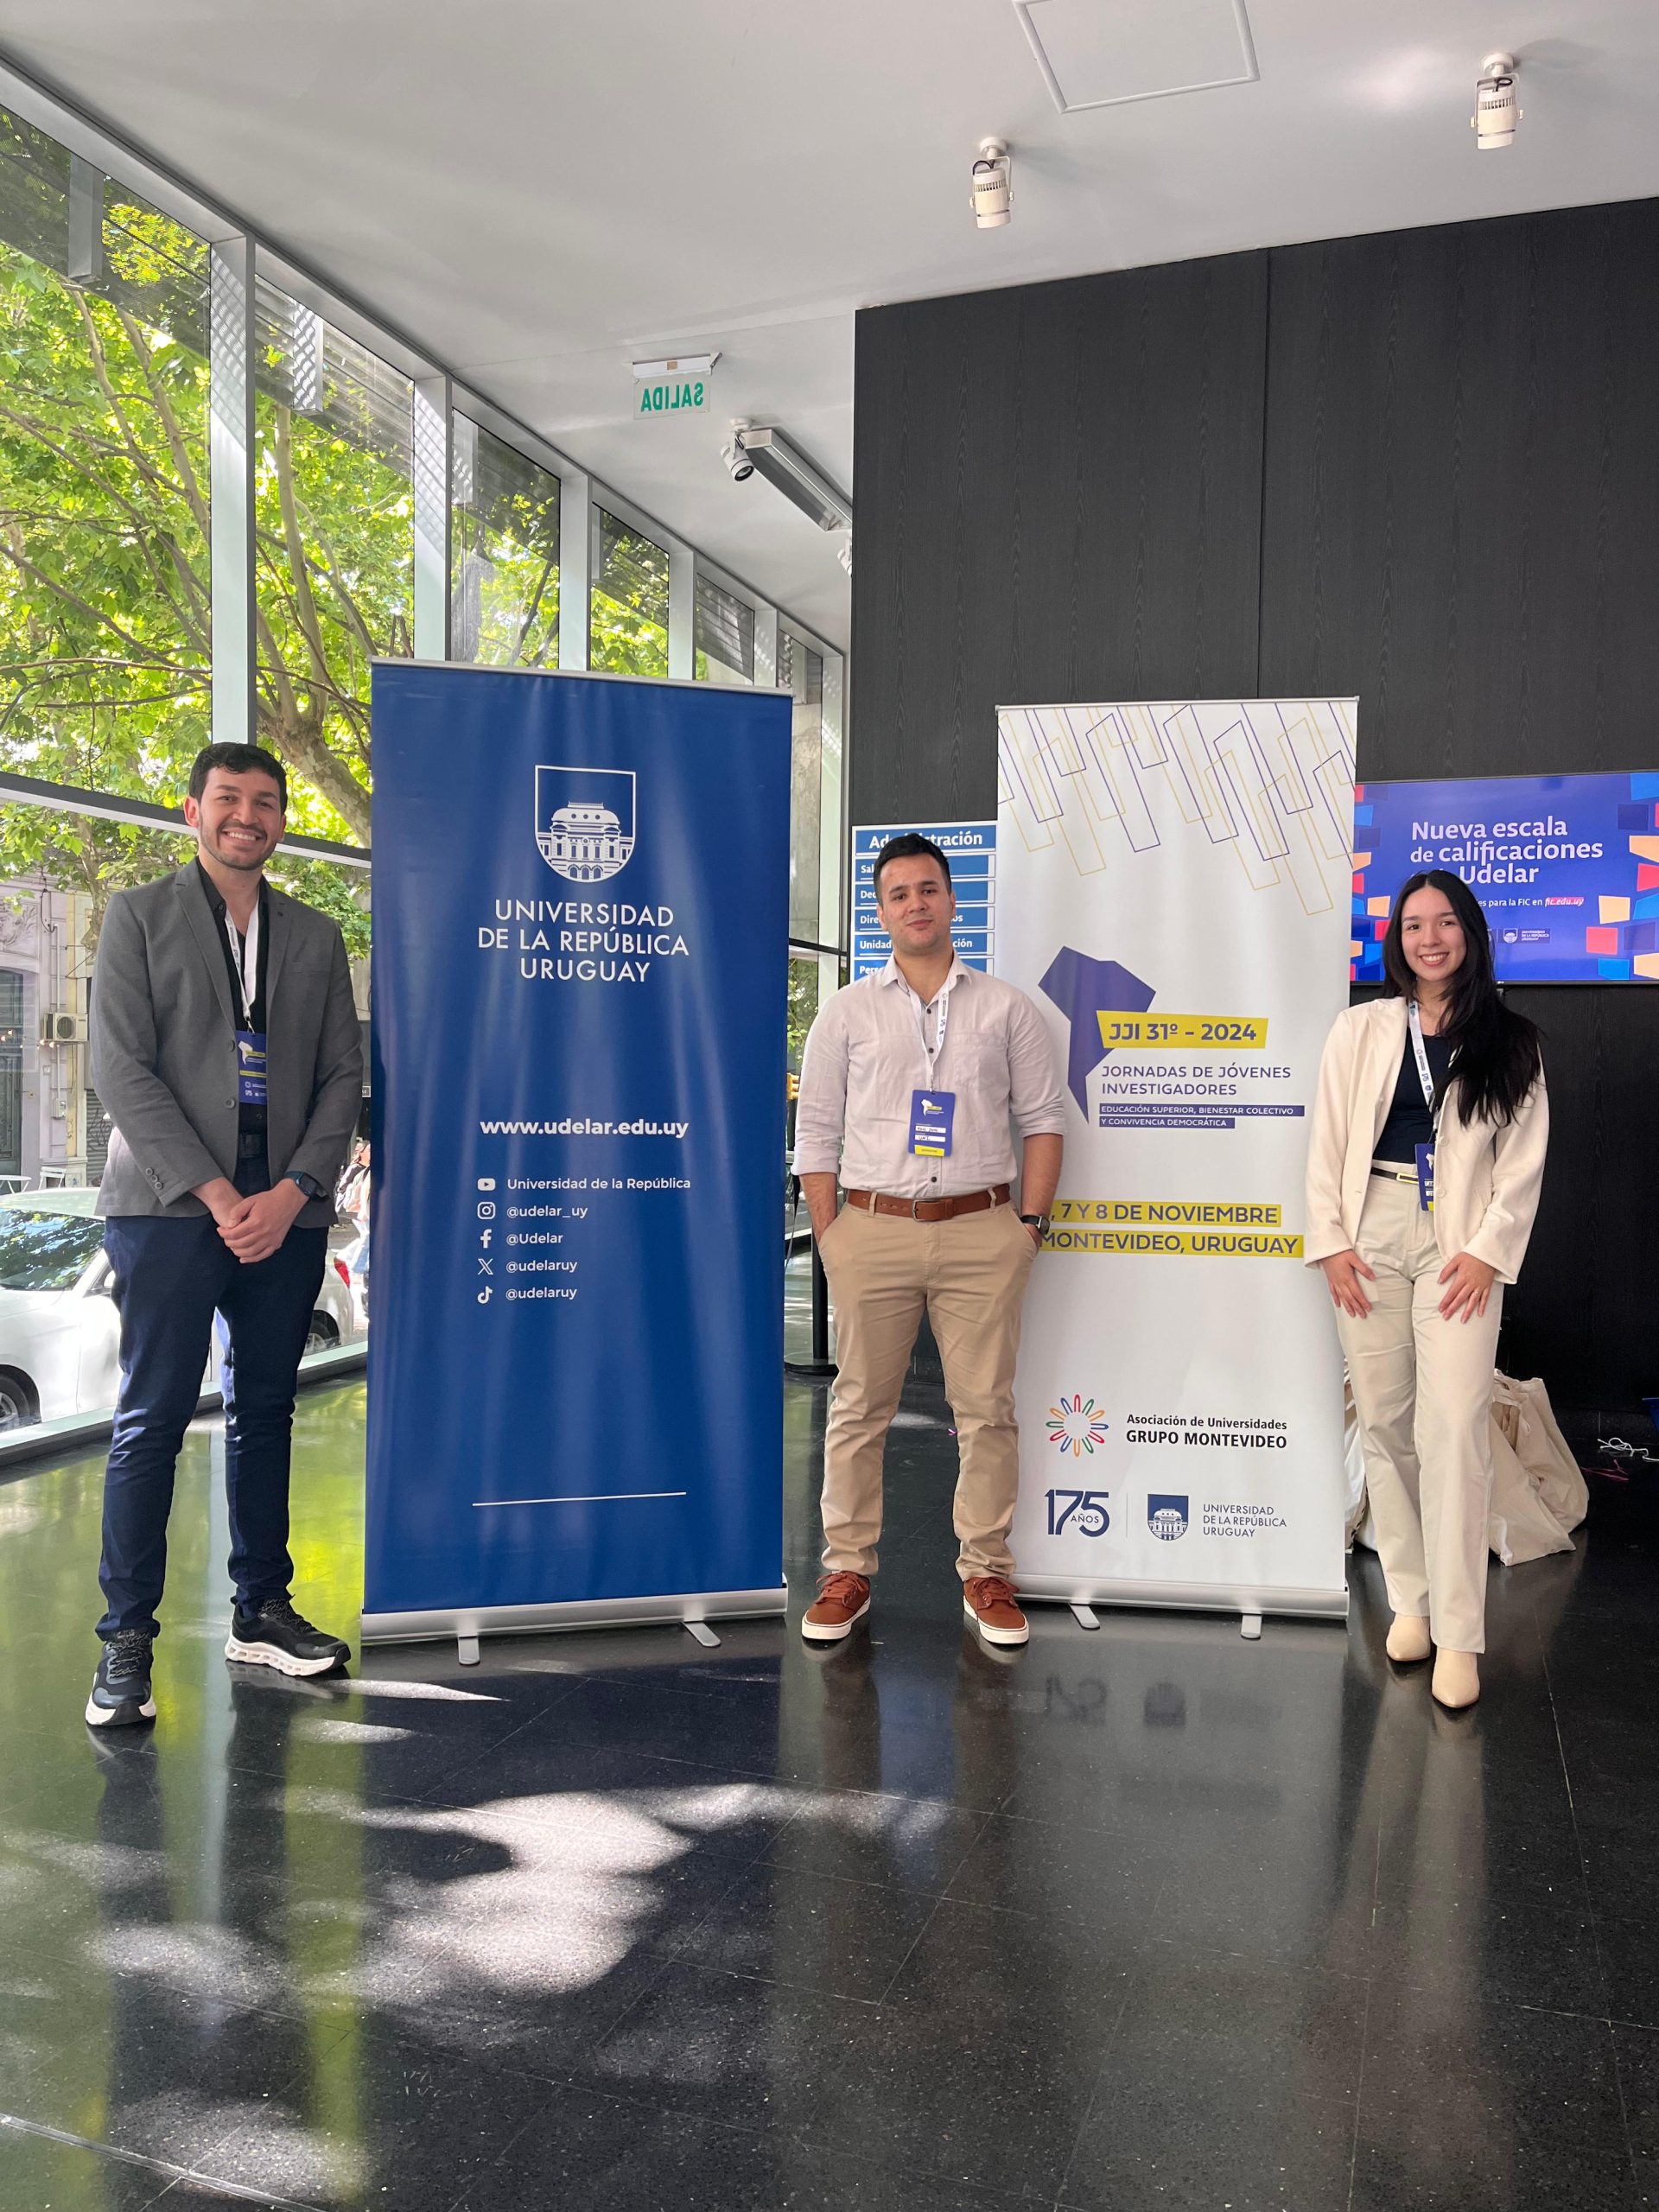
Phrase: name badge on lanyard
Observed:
(933, 1113)
(1425, 1077)
(250, 1042)
(250, 1067)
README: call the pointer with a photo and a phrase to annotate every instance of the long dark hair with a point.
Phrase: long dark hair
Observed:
(1496, 1053)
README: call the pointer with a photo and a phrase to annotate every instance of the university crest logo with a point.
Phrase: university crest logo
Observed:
(585, 821)
(1167, 1516)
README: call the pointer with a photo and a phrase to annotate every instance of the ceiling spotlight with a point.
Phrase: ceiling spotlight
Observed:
(1495, 113)
(784, 466)
(993, 194)
(844, 552)
(735, 458)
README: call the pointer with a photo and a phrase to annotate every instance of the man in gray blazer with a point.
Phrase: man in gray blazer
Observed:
(226, 1052)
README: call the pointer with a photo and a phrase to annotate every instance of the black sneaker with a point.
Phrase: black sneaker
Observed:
(276, 1635)
(121, 1686)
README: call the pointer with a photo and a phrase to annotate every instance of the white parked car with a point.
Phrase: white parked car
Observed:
(60, 1334)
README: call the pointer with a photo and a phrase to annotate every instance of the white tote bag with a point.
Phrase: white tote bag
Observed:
(1539, 1493)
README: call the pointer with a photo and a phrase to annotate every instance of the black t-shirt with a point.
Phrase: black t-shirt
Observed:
(1410, 1122)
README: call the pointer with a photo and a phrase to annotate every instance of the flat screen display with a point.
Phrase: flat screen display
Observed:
(1566, 868)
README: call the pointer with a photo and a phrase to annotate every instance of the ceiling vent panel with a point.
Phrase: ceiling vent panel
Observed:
(1104, 52)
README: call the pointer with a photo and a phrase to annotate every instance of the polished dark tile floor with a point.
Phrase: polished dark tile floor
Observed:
(1147, 1918)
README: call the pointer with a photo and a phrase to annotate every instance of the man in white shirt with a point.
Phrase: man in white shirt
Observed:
(913, 1083)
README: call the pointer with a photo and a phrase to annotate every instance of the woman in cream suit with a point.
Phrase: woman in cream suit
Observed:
(1418, 1291)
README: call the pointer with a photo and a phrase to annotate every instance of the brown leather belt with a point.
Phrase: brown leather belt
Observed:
(929, 1209)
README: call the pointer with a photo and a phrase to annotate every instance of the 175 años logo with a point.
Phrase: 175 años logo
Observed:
(1083, 1510)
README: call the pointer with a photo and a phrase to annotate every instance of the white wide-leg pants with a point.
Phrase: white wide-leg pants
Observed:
(1423, 1392)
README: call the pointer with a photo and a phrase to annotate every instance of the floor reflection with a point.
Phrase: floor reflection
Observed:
(1146, 1917)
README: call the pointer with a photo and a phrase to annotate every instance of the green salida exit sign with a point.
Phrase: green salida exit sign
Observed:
(675, 395)
(673, 387)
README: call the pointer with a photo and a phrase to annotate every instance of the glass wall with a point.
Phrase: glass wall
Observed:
(627, 629)
(344, 502)
(815, 835)
(724, 632)
(505, 545)
(54, 1134)
(801, 673)
(105, 591)
(810, 981)
(334, 551)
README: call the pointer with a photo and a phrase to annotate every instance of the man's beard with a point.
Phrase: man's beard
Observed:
(247, 859)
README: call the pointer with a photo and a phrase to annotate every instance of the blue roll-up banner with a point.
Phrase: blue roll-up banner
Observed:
(580, 922)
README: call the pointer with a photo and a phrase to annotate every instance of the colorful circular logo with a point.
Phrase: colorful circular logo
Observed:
(1076, 1428)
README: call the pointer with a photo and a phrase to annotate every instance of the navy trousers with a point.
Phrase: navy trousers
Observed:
(171, 1277)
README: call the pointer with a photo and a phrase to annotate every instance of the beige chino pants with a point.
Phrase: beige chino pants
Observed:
(968, 1275)
(1423, 1392)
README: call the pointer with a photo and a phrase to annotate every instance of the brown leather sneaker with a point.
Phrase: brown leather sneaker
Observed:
(989, 1602)
(841, 1599)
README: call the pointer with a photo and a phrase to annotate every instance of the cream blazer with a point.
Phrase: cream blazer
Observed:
(1486, 1180)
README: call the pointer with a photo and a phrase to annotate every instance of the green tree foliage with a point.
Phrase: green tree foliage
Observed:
(804, 987)
(335, 545)
(507, 555)
(627, 629)
(105, 596)
(105, 593)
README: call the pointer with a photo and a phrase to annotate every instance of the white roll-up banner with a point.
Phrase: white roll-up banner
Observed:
(1175, 891)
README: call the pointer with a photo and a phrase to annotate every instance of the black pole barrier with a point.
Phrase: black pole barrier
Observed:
(820, 1315)
(820, 1363)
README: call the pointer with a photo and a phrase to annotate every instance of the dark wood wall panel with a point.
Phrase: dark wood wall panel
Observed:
(1459, 519)
(1066, 479)
(1422, 467)
(1460, 525)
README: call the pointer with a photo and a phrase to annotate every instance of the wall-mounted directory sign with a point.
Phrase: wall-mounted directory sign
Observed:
(970, 848)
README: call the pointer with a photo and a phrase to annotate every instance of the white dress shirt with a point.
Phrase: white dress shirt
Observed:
(868, 1051)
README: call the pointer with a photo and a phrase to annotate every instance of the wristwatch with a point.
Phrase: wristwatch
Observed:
(307, 1185)
(1039, 1222)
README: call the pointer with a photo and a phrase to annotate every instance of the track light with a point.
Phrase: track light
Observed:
(993, 194)
(736, 460)
(844, 552)
(1496, 112)
(768, 452)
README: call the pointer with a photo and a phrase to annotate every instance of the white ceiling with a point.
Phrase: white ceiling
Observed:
(540, 192)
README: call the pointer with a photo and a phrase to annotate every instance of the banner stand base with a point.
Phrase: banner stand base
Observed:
(465, 1624)
(1250, 1604)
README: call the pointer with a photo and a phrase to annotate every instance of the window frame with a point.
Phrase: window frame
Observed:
(240, 256)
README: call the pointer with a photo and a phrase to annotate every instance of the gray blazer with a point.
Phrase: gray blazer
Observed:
(163, 1039)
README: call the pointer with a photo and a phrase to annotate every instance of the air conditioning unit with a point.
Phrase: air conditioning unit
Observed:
(60, 1028)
